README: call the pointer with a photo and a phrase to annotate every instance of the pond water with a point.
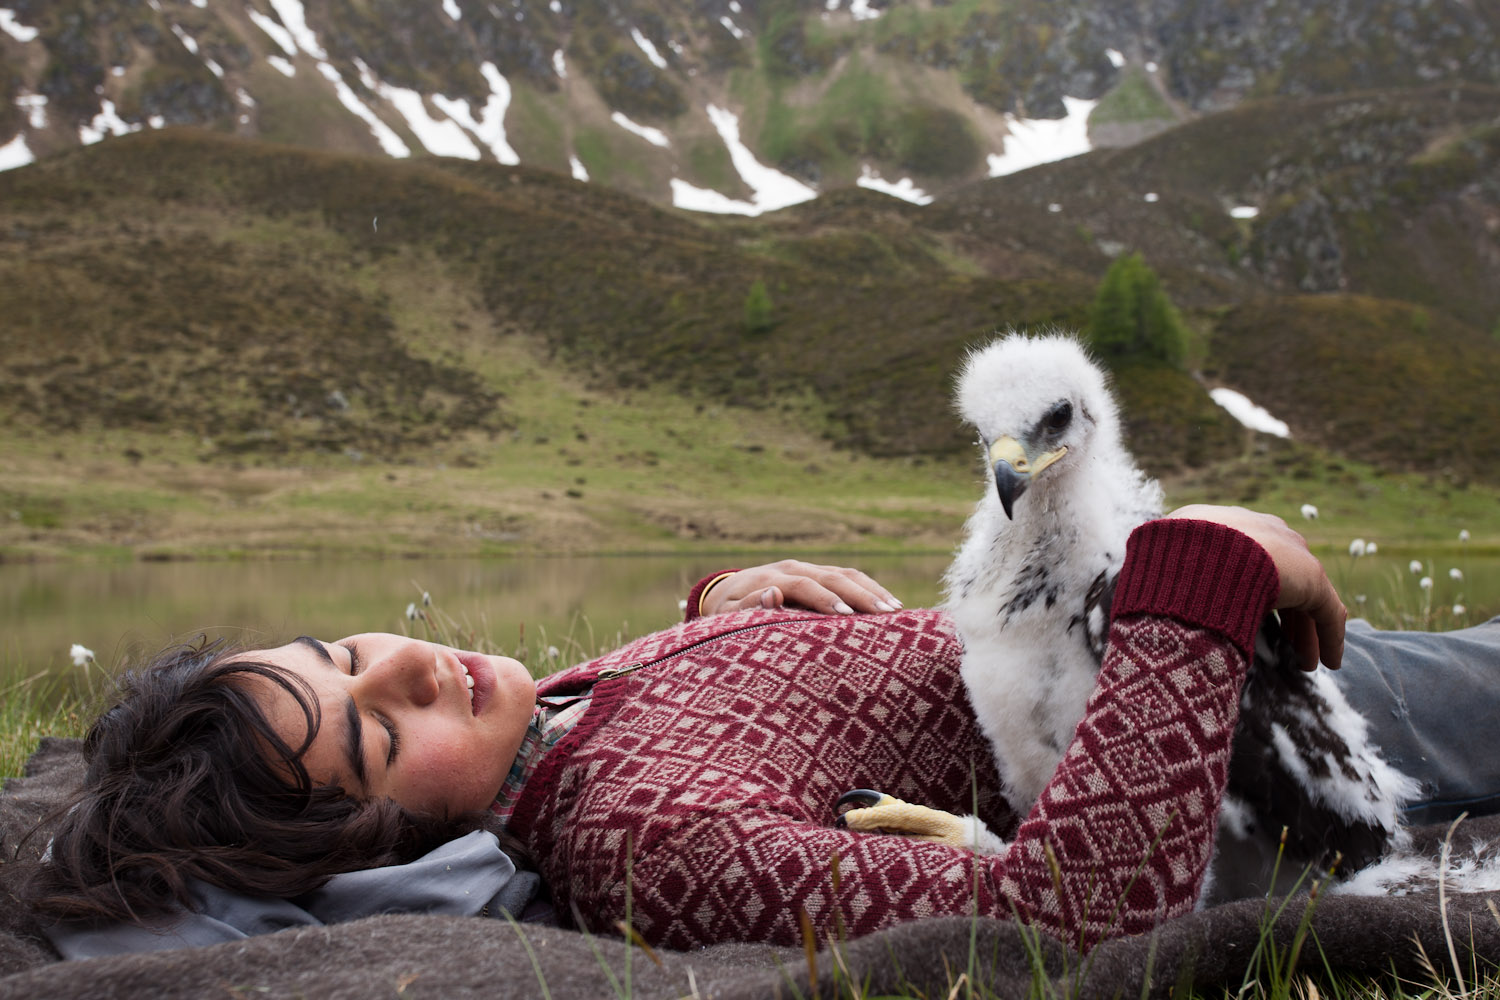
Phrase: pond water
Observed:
(582, 606)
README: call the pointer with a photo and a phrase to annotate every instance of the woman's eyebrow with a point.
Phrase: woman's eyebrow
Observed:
(316, 647)
(354, 731)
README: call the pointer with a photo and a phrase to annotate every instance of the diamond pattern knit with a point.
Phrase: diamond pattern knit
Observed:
(703, 777)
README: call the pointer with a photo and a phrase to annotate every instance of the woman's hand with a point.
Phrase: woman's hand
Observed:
(834, 590)
(1311, 612)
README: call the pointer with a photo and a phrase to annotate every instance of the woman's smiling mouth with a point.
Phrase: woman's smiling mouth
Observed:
(478, 676)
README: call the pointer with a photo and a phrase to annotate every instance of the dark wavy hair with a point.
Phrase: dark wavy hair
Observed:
(187, 779)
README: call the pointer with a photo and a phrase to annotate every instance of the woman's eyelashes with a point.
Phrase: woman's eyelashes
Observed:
(395, 747)
(394, 742)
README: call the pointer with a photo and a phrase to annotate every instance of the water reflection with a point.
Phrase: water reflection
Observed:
(114, 610)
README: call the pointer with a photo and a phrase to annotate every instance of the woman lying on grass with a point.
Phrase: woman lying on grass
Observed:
(689, 777)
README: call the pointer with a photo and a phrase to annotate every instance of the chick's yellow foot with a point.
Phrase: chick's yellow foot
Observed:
(876, 812)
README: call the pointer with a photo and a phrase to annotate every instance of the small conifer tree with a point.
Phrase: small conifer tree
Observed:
(1132, 318)
(758, 309)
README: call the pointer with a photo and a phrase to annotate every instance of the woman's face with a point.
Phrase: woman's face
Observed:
(436, 729)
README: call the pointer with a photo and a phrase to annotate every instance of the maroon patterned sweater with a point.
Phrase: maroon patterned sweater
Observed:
(702, 780)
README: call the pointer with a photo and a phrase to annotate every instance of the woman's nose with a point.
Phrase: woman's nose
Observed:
(402, 669)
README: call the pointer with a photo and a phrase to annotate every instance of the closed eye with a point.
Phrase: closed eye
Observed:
(395, 747)
(355, 666)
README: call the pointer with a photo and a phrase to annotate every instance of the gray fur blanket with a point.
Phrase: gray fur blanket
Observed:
(449, 957)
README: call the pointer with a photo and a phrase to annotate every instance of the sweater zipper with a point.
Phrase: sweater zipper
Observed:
(630, 668)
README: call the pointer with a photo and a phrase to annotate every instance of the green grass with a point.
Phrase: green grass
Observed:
(1133, 99)
(534, 128)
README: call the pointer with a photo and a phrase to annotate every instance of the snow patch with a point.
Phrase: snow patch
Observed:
(35, 106)
(555, 7)
(1116, 57)
(903, 189)
(559, 65)
(1151, 197)
(730, 27)
(281, 65)
(655, 136)
(15, 154)
(490, 125)
(579, 173)
(645, 46)
(1036, 141)
(188, 41)
(273, 30)
(191, 44)
(243, 97)
(106, 122)
(862, 10)
(384, 134)
(1255, 417)
(293, 16)
(772, 189)
(440, 138)
(1243, 212)
(451, 9)
(696, 199)
(20, 32)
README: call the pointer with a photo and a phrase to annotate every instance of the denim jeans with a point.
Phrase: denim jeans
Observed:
(1433, 703)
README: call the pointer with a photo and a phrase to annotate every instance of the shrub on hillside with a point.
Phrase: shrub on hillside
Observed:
(1132, 318)
(758, 309)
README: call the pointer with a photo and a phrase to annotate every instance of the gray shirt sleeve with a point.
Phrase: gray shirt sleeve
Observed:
(468, 876)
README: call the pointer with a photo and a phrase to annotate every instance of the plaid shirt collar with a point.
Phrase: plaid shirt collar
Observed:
(551, 719)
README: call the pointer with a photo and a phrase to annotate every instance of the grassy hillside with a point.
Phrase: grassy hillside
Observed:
(203, 329)
(224, 251)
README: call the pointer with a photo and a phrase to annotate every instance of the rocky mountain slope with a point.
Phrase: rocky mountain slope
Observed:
(274, 301)
(728, 105)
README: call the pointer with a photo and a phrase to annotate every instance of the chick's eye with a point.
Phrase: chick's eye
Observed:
(1060, 416)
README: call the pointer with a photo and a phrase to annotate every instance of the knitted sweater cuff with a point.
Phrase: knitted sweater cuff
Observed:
(1200, 573)
(695, 596)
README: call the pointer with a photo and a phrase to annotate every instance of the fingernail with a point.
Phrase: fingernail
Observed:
(843, 608)
(897, 602)
(768, 598)
(882, 606)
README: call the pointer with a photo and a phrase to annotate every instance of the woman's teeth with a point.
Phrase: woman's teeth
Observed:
(469, 681)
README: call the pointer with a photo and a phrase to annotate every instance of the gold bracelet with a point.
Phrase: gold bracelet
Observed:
(711, 585)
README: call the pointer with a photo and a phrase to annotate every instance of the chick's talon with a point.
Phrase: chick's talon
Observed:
(890, 815)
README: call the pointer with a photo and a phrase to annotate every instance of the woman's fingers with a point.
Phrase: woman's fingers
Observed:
(1311, 612)
(829, 589)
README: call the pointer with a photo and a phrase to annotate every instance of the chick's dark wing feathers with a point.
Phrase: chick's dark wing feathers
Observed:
(1096, 609)
(1279, 694)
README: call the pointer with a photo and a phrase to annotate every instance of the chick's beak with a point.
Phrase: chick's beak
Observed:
(1015, 469)
(1012, 471)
